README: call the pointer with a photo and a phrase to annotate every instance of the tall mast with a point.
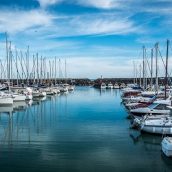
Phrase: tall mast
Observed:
(140, 67)
(59, 68)
(50, 71)
(41, 71)
(166, 69)
(37, 69)
(55, 72)
(17, 66)
(156, 61)
(134, 72)
(10, 61)
(33, 69)
(44, 66)
(65, 72)
(27, 63)
(143, 67)
(151, 82)
(8, 77)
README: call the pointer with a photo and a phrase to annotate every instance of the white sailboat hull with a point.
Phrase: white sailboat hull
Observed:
(4, 101)
(19, 98)
(157, 126)
(157, 129)
(147, 110)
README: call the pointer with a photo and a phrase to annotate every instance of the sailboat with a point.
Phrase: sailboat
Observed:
(4, 98)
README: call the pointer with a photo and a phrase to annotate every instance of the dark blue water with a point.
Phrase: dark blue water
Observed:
(86, 130)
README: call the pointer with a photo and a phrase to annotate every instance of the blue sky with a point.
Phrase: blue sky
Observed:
(97, 37)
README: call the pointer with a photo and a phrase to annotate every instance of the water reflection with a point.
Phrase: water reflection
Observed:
(79, 131)
(150, 142)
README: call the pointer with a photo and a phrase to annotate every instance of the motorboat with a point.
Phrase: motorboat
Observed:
(103, 86)
(71, 87)
(110, 86)
(137, 121)
(166, 146)
(28, 93)
(116, 86)
(63, 89)
(42, 94)
(136, 105)
(157, 125)
(35, 93)
(154, 108)
(38, 93)
(128, 92)
(56, 90)
(49, 91)
(138, 99)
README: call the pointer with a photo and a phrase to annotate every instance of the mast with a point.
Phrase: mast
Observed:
(151, 82)
(140, 67)
(44, 66)
(10, 61)
(156, 61)
(17, 66)
(59, 68)
(55, 71)
(41, 71)
(50, 71)
(8, 77)
(166, 69)
(37, 69)
(143, 67)
(65, 72)
(33, 69)
(134, 72)
(27, 65)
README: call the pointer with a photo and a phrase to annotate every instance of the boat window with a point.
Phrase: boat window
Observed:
(152, 106)
(160, 107)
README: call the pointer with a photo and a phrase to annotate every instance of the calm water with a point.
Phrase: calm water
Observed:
(86, 130)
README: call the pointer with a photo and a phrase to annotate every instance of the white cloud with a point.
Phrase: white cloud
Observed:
(95, 24)
(45, 3)
(102, 24)
(104, 4)
(16, 21)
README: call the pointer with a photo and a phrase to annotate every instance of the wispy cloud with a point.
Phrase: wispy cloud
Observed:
(17, 20)
(102, 24)
(104, 4)
(86, 24)
(45, 3)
